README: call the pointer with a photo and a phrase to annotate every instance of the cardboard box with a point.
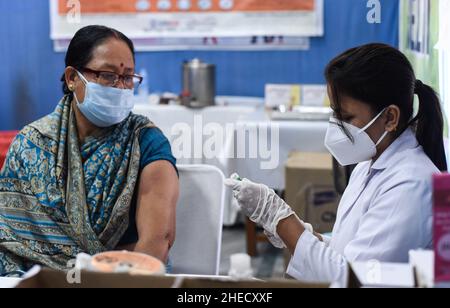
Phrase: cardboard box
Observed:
(310, 189)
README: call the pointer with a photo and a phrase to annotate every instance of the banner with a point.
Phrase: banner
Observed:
(202, 24)
(263, 43)
(190, 18)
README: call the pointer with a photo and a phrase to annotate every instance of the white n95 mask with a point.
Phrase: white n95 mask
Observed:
(105, 106)
(346, 151)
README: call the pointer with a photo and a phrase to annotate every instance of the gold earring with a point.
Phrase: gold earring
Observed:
(71, 87)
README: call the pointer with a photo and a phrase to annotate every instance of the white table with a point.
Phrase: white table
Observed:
(192, 133)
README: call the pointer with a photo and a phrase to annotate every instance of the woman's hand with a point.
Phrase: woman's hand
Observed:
(262, 205)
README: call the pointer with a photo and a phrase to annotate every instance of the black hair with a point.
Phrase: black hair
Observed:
(379, 76)
(83, 44)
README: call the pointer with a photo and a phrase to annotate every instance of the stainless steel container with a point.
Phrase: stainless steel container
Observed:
(199, 84)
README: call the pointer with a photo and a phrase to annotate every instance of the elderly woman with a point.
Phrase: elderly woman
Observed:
(91, 176)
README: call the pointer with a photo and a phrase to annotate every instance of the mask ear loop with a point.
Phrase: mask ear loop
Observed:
(382, 138)
(85, 81)
(373, 121)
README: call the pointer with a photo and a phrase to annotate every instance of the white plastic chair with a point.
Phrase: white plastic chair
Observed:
(200, 209)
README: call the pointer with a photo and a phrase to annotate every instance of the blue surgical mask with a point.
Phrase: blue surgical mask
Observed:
(105, 106)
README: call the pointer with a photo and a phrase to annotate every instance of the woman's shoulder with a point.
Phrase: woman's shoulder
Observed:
(32, 137)
(152, 137)
(409, 166)
(42, 133)
(411, 174)
(154, 146)
(138, 118)
(414, 165)
(48, 126)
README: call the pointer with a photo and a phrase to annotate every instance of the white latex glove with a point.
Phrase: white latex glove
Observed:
(263, 206)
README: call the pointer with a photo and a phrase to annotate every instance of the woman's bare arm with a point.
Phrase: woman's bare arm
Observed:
(156, 209)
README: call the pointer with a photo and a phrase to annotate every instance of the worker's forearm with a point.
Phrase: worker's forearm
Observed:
(290, 230)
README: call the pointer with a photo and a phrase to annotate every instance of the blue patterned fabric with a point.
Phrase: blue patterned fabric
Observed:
(154, 147)
(59, 198)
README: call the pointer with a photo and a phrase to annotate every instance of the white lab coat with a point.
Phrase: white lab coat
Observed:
(385, 212)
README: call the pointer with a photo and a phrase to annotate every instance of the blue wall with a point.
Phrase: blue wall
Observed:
(30, 70)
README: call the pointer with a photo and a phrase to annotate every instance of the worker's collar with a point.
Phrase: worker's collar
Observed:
(405, 141)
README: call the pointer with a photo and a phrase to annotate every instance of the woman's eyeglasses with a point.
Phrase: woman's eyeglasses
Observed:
(111, 79)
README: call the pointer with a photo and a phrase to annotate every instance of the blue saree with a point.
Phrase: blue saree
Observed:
(59, 197)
